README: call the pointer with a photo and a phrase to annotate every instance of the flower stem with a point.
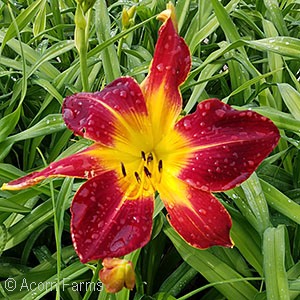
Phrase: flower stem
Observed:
(81, 33)
(83, 67)
(56, 233)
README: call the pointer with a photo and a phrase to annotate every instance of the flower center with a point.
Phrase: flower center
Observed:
(143, 180)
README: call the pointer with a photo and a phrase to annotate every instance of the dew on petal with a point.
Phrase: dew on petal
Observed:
(251, 163)
(95, 236)
(204, 188)
(202, 211)
(187, 124)
(160, 67)
(68, 114)
(123, 94)
(207, 105)
(220, 113)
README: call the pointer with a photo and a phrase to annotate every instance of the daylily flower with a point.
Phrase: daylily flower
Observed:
(116, 274)
(142, 146)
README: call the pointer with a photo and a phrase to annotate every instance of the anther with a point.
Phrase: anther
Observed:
(160, 165)
(123, 170)
(137, 176)
(147, 172)
(149, 158)
(143, 155)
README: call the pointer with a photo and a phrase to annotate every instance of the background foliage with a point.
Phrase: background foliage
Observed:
(246, 53)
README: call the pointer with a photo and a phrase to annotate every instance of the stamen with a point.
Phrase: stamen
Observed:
(123, 170)
(143, 155)
(160, 165)
(149, 158)
(137, 176)
(147, 172)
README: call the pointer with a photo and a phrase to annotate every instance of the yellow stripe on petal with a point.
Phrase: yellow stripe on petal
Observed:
(169, 68)
(197, 216)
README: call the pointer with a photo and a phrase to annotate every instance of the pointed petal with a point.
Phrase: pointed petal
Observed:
(114, 113)
(104, 223)
(225, 145)
(84, 164)
(170, 66)
(197, 216)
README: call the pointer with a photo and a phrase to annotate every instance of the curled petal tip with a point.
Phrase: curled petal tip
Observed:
(169, 13)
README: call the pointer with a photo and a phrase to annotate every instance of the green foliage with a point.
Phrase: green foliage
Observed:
(244, 52)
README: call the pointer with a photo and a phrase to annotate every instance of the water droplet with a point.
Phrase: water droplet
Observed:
(123, 94)
(202, 211)
(95, 236)
(187, 124)
(202, 124)
(207, 105)
(160, 67)
(205, 189)
(90, 122)
(180, 219)
(220, 113)
(251, 163)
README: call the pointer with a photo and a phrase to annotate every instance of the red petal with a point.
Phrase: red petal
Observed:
(196, 215)
(226, 145)
(84, 164)
(170, 66)
(104, 223)
(105, 115)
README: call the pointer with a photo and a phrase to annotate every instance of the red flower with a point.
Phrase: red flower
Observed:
(141, 147)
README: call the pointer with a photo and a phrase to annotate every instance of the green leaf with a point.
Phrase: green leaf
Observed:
(109, 54)
(50, 124)
(8, 123)
(276, 16)
(182, 10)
(38, 216)
(39, 23)
(225, 21)
(281, 119)
(209, 28)
(163, 296)
(3, 238)
(291, 98)
(281, 202)
(274, 264)
(212, 268)
(257, 202)
(9, 206)
(23, 19)
(284, 45)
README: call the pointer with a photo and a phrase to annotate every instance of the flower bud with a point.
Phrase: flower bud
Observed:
(116, 274)
(128, 17)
